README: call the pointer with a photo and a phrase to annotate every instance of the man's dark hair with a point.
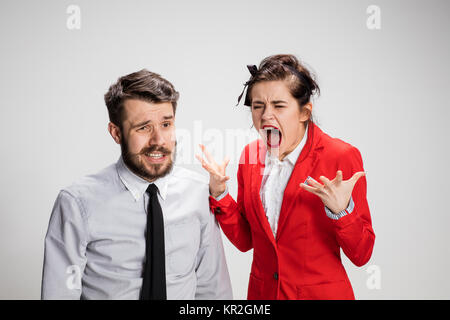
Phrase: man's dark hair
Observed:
(142, 85)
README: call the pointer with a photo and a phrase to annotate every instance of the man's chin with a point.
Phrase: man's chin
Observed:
(149, 171)
(154, 171)
(158, 170)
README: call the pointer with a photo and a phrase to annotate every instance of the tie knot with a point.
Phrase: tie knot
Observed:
(152, 189)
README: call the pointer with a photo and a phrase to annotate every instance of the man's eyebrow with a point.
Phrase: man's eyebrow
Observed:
(140, 124)
(143, 123)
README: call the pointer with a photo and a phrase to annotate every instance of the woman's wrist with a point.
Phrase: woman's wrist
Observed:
(218, 193)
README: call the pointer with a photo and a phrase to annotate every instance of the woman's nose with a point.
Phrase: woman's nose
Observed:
(267, 113)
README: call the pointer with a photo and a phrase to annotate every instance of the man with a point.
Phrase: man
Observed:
(141, 228)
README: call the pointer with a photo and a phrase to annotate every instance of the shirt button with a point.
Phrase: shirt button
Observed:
(217, 210)
(275, 275)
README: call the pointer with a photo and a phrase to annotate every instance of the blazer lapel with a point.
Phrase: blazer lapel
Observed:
(302, 169)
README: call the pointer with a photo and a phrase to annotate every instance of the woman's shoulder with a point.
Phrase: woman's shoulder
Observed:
(336, 145)
(339, 150)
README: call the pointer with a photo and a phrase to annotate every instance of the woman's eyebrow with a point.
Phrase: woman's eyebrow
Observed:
(273, 102)
(278, 101)
(257, 102)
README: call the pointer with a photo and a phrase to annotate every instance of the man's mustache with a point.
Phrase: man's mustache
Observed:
(155, 148)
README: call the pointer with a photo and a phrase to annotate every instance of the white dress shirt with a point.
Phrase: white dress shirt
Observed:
(95, 243)
(274, 181)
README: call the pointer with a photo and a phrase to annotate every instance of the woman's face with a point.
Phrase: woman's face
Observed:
(276, 116)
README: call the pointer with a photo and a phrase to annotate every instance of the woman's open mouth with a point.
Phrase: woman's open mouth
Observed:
(273, 136)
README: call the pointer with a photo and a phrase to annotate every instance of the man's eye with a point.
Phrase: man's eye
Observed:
(257, 107)
(166, 124)
(279, 106)
(143, 128)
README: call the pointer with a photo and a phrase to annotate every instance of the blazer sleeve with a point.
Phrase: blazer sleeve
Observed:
(231, 216)
(354, 231)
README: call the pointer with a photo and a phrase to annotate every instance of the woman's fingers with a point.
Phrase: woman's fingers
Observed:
(333, 194)
(318, 187)
(202, 161)
(209, 157)
(314, 183)
(318, 192)
(356, 176)
(338, 178)
(219, 169)
(211, 170)
(225, 164)
(206, 165)
(325, 181)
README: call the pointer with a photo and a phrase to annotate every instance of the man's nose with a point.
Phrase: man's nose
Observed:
(156, 138)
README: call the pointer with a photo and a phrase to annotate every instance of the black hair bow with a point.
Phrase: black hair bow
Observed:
(253, 71)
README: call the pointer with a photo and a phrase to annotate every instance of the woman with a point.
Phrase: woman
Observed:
(295, 224)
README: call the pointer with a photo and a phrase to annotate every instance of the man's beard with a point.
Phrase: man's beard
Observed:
(135, 163)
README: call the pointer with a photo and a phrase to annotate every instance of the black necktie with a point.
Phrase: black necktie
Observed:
(154, 283)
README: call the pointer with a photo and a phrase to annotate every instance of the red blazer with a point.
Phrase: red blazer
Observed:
(304, 261)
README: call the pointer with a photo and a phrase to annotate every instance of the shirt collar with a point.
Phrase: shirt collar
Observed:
(138, 186)
(294, 154)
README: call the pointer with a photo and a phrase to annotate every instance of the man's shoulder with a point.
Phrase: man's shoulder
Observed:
(93, 184)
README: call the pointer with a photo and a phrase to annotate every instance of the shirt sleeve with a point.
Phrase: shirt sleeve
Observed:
(343, 213)
(213, 280)
(65, 250)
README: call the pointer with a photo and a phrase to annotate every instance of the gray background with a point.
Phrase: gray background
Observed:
(384, 91)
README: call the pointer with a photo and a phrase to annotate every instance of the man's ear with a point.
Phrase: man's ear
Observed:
(115, 132)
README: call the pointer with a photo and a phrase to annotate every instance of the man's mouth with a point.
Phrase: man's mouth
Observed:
(273, 136)
(155, 156)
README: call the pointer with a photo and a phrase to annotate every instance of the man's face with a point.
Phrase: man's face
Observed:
(147, 138)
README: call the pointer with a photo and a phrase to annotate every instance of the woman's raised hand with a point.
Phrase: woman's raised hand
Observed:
(335, 194)
(217, 175)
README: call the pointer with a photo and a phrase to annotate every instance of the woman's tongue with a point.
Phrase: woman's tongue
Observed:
(273, 138)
